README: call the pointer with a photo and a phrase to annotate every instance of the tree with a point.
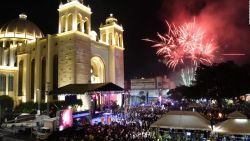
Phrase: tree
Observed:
(224, 80)
(189, 92)
(31, 107)
(176, 94)
(7, 104)
(219, 81)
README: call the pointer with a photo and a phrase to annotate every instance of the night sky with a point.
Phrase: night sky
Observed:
(139, 18)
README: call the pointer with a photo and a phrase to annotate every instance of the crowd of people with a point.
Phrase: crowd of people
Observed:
(112, 132)
(135, 126)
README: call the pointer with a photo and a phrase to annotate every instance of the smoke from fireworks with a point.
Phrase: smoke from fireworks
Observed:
(187, 42)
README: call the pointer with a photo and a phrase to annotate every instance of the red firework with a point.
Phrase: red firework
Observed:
(184, 43)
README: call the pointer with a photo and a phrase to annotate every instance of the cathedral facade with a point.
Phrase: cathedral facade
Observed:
(32, 64)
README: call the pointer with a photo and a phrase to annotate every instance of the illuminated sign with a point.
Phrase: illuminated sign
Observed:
(66, 119)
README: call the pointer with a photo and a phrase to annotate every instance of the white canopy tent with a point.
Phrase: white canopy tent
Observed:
(234, 127)
(236, 115)
(183, 120)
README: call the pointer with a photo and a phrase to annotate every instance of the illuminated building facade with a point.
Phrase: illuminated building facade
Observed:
(33, 64)
(149, 90)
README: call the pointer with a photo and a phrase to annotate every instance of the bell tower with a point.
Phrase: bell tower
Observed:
(74, 16)
(111, 33)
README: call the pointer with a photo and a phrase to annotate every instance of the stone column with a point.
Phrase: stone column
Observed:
(7, 84)
(12, 57)
(66, 23)
(74, 21)
(112, 64)
(37, 71)
(49, 69)
(26, 77)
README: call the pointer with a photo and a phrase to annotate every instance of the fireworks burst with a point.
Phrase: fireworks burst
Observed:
(184, 43)
(187, 76)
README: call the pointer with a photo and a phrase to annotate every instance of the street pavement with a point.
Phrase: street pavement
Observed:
(4, 132)
(8, 135)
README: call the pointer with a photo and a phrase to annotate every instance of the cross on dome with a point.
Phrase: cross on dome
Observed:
(23, 16)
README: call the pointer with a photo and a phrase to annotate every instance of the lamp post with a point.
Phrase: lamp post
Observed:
(160, 96)
(38, 101)
(126, 101)
(47, 95)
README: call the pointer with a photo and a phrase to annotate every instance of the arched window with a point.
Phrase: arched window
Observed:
(8, 57)
(121, 41)
(97, 70)
(70, 22)
(79, 22)
(104, 37)
(7, 43)
(15, 59)
(86, 25)
(116, 39)
(10, 82)
(110, 39)
(63, 24)
(32, 87)
(3, 83)
(55, 74)
(20, 79)
(43, 78)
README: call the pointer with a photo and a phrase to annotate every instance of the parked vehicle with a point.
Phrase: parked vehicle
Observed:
(24, 117)
(43, 133)
(50, 125)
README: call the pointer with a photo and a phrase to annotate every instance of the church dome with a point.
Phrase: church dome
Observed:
(111, 19)
(20, 28)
